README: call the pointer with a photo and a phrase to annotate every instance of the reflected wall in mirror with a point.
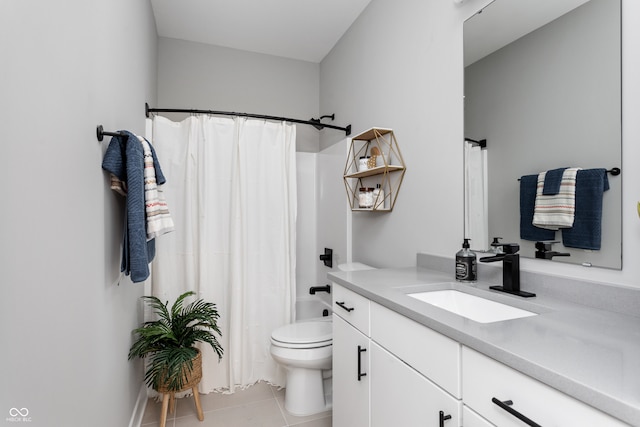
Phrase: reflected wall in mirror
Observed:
(549, 99)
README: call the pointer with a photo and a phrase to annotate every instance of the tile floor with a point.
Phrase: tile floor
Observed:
(258, 406)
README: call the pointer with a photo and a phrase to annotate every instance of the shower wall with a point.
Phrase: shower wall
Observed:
(307, 261)
(322, 219)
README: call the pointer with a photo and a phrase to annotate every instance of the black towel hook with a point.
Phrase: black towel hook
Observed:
(100, 133)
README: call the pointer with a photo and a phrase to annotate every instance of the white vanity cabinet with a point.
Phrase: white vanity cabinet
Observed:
(389, 370)
(351, 352)
(485, 382)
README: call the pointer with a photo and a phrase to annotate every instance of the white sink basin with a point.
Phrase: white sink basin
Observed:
(470, 306)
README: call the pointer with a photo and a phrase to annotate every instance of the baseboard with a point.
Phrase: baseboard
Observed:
(138, 409)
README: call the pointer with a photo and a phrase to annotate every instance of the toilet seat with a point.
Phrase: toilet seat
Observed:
(303, 335)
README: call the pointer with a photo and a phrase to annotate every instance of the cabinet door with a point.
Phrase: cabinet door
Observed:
(400, 396)
(351, 375)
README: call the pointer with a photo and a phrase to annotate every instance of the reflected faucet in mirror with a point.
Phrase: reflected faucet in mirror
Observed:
(543, 250)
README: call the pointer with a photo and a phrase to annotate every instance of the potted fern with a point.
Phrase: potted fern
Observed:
(174, 363)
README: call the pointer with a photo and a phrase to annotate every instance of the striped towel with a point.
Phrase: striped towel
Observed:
(157, 215)
(118, 186)
(556, 211)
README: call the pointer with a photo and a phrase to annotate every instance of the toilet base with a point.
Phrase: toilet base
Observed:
(304, 392)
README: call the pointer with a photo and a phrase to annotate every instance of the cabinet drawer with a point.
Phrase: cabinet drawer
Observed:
(484, 379)
(428, 352)
(351, 307)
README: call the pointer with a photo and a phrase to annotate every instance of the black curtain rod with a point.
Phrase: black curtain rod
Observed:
(313, 122)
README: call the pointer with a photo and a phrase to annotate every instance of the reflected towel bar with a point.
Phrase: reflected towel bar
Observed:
(612, 171)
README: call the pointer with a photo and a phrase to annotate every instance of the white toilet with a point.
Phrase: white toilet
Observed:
(304, 349)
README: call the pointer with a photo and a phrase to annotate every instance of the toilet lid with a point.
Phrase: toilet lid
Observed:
(304, 333)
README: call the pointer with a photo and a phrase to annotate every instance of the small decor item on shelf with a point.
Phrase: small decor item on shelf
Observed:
(378, 198)
(365, 198)
(375, 159)
(363, 163)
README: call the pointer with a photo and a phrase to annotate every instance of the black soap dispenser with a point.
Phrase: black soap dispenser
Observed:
(466, 264)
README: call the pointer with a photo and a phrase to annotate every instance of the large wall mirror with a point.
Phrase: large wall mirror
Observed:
(543, 87)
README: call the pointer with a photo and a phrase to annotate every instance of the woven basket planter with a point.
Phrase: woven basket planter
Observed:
(191, 379)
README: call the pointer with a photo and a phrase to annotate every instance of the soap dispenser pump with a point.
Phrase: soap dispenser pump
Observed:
(466, 264)
(496, 246)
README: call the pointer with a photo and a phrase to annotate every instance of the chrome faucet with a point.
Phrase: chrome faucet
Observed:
(510, 270)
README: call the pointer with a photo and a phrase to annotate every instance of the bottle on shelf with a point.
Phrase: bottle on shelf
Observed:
(365, 198)
(378, 198)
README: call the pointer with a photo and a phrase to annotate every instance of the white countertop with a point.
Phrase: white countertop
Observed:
(590, 354)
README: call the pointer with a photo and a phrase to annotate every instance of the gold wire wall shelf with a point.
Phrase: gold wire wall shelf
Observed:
(374, 171)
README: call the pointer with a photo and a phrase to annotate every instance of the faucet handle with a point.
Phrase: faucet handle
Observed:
(510, 248)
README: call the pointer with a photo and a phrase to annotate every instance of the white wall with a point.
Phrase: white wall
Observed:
(199, 76)
(65, 326)
(400, 66)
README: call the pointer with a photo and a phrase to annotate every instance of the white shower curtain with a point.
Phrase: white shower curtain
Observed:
(231, 189)
(475, 196)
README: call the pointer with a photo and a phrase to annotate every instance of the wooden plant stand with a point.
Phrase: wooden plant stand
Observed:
(169, 396)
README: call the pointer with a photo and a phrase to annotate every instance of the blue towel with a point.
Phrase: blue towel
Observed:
(124, 158)
(552, 180)
(586, 232)
(528, 231)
